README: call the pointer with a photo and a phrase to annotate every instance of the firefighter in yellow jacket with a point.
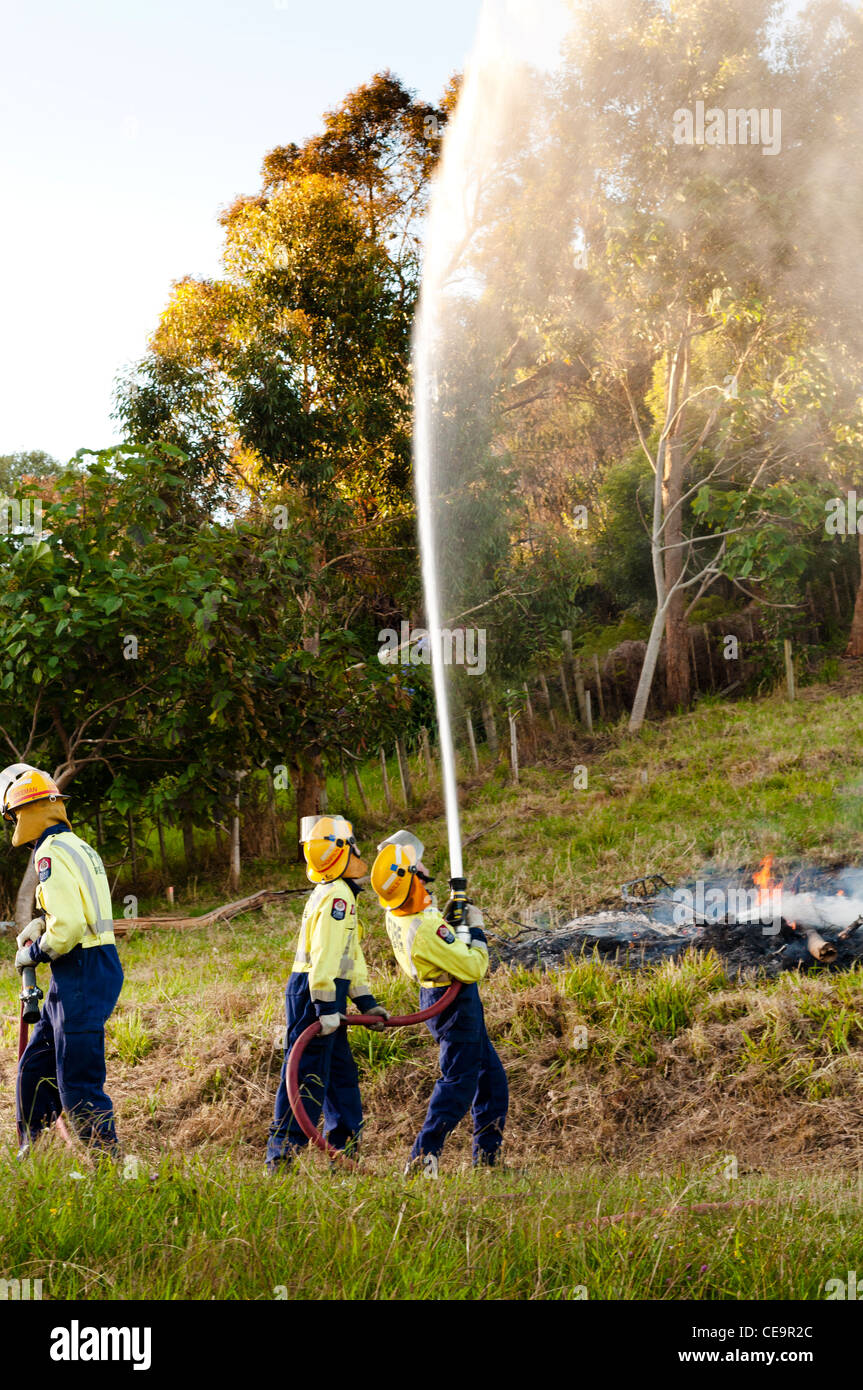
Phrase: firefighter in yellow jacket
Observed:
(63, 1066)
(328, 970)
(472, 1075)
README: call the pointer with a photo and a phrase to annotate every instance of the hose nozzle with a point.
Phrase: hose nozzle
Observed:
(30, 996)
(456, 909)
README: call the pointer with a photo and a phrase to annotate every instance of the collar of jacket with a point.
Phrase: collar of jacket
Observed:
(355, 887)
(52, 830)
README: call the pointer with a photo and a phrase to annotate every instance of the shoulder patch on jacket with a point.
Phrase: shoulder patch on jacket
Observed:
(338, 909)
(43, 869)
(445, 934)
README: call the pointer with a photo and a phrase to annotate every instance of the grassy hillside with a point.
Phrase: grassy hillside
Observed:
(630, 1092)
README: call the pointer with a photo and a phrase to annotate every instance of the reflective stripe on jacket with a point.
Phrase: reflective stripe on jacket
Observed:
(329, 947)
(72, 891)
(426, 949)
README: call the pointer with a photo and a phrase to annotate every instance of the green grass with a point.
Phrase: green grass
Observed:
(128, 1037)
(206, 1230)
(629, 1090)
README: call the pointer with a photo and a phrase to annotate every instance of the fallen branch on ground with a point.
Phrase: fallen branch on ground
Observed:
(477, 834)
(224, 913)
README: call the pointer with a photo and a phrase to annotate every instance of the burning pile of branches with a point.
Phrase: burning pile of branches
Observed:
(756, 920)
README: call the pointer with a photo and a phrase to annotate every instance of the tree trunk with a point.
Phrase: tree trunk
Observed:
(188, 843)
(160, 831)
(855, 639)
(645, 679)
(677, 676)
(234, 875)
(273, 815)
(490, 729)
(309, 783)
(667, 563)
(133, 848)
(404, 772)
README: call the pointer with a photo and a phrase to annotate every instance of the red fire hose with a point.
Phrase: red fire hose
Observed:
(299, 1047)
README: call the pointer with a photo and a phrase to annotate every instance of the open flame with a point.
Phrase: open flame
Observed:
(768, 888)
(769, 891)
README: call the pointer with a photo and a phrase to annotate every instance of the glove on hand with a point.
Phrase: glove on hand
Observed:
(329, 1023)
(384, 1013)
(474, 917)
(31, 932)
(23, 960)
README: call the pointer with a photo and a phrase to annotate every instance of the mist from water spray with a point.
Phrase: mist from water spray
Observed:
(423, 465)
(507, 30)
(578, 230)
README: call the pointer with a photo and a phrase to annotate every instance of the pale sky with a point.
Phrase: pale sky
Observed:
(126, 127)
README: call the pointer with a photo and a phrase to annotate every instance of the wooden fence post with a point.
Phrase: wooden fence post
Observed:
(546, 695)
(563, 686)
(579, 691)
(513, 747)
(344, 773)
(274, 814)
(599, 694)
(360, 788)
(789, 671)
(404, 771)
(472, 742)
(234, 875)
(427, 755)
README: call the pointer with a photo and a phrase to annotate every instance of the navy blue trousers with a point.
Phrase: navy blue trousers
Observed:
(328, 1079)
(63, 1067)
(472, 1077)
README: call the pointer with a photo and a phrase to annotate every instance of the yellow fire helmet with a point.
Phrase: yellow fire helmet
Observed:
(395, 878)
(21, 785)
(330, 849)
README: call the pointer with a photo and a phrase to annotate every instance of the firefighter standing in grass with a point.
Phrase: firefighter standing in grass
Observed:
(328, 970)
(63, 1067)
(472, 1075)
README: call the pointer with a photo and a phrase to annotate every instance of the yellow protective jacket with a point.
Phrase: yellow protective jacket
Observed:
(426, 948)
(72, 891)
(329, 947)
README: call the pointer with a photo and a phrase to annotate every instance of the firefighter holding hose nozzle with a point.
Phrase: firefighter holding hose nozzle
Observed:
(328, 969)
(427, 949)
(63, 1066)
